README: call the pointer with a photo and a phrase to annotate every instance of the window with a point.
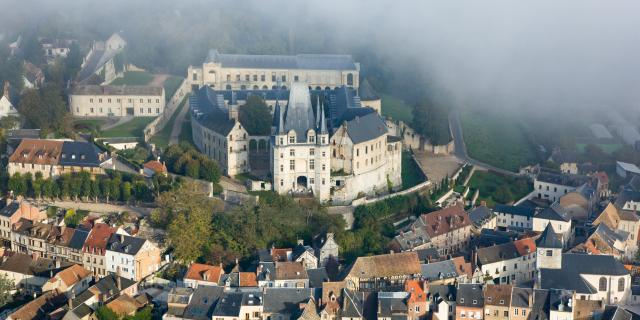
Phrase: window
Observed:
(255, 77)
(312, 165)
(262, 77)
(461, 300)
(295, 78)
(292, 139)
(157, 110)
(292, 164)
(524, 312)
(284, 78)
(292, 152)
(100, 100)
(602, 285)
(281, 168)
(621, 285)
(350, 79)
(515, 311)
(273, 77)
(246, 77)
(312, 151)
(549, 253)
(324, 167)
(195, 76)
(91, 100)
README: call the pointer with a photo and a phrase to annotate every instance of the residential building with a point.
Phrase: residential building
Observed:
(7, 108)
(289, 274)
(497, 301)
(239, 305)
(558, 218)
(33, 76)
(625, 224)
(550, 186)
(442, 301)
(628, 200)
(241, 72)
(451, 271)
(53, 158)
(508, 263)
(392, 305)
(514, 217)
(624, 169)
(381, 272)
(95, 248)
(70, 281)
(305, 255)
(202, 274)
(12, 213)
(102, 292)
(482, 217)
(154, 167)
(99, 64)
(41, 307)
(56, 48)
(131, 257)
(28, 273)
(283, 303)
(579, 204)
(328, 250)
(470, 301)
(605, 241)
(417, 299)
(522, 301)
(117, 100)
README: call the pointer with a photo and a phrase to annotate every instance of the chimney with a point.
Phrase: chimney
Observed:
(6, 89)
(118, 281)
(531, 298)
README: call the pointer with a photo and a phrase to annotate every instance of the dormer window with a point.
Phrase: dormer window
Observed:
(292, 139)
(73, 156)
(64, 156)
(82, 156)
(312, 139)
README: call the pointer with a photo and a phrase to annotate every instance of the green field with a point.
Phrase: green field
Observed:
(134, 78)
(411, 173)
(161, 139)
(606, 147)
(171, 84)
(133, 128)
(496, 139)
(396, 108)
(496, 188)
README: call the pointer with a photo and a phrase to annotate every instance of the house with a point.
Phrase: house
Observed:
(579, 204)
(624, 223)
(55, 48)
(7, 108)
(95, 248)
(557, 217)
(102, 292)
(239, 305)
(154, 167)
(628, 200)
(126, 305)
(305, 255)
(119, 143)
(442, 301)
(290, 274)
(549, 185)
(374, 273)
(117, 100)
(497, 300)
(33, 76)
(624, 169)
(561, 304)
(133, 258)
(522, 301)
(417, 299)
(70, 281)
(309, 310)
(328, 250)
(179, 298)
(603, 184)
(53, 158)
(239, 279)
(604, 241)
(591, 277)
(201, 303)
(369, 97)
(448, 230)
(41, 307)
(514, 217)
(392, 305)
(508, 263)
(99, 65)
(451, 271)
(29, 274)
(13, 212)
(202, 274)
(482, 217)
(283, 303)
(470, 301)
(567, 161)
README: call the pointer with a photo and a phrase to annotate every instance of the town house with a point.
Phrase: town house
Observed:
(95, 248)
(381, 272)
(12, 213)
(131, 257)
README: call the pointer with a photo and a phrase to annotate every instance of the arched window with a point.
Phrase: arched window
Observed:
(228, 87)
(265, 87)
(256, 87)
(350, 79)
(318, 88)
(602, 285)
(243, 87)
(284, 87)
(620, 284)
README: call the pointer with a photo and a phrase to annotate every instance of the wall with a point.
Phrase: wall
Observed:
(160, 122)
(116, 105)
(414, 141)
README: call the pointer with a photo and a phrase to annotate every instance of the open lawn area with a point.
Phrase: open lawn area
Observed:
(496, 139)
(606, 147)
(133, 128)
(411, 173)
(396, 108)
(161, 139)
(171, 84)
(134, 78)
(87, 125)
(495, 188)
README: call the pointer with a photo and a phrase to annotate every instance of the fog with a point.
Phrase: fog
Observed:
(513, 55)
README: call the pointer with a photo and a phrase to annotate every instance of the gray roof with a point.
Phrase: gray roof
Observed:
(470, 295)
(439, 270)
(610, 236)
(497, 253)
(366, 91)
(229, 305)
(540, 308)
(77, 153)
(207, 108)
(554, 212)
(442, 292)
(353, 304)
(616, 313)
(365, 128)
(569, 180)
(515, 210)
(427, 254)
(317, 277)
(117, 90)
(202, 302)
(626, 196)
(285, 301)
(298, 115)
(392, 303)
(574, 265)
(520, 297)
(10, 209)
(480, 214)
(78, 239)
(549, 239)
(300, 61)
(125, 244)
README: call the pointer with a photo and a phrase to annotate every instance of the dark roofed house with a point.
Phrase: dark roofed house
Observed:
(284, 302)
(482, 217)
(470, 301)
(202, 302)
(41, 307)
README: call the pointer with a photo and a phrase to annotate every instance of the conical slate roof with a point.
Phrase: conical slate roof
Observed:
(549, 239)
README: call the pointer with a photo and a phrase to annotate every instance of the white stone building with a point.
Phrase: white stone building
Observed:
(131, 257)
(552, 185)
(514, 217)
(116, 101)
(264, 72)
(508, 263)
(6, 106)
(558, 219)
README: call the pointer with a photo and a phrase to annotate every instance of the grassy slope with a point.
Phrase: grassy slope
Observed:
(489, 182)
(396, 108)
(411, 173)
(161, 139)
(497, 140)
(134, 78)
(133, 128)
(171, 84)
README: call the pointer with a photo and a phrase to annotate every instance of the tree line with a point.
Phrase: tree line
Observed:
(185, 160)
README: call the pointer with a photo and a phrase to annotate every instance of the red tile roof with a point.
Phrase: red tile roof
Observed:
(247, 279)
(156, 166)
(525, 246)
(204, 272)
(414, 288)
(98, 238)
(448, 219)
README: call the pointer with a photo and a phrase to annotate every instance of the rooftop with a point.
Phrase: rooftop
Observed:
(300, 61)
(122, 90)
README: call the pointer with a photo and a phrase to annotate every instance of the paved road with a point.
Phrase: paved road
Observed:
(177, 125)
(101, 207)
(461, 147)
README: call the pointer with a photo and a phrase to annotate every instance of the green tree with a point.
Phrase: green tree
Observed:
(210, 171)
(105, 188)
(192, 169)
(17, 184)
(6, 285)
(431, 121)
(126, 191)
(255, 116)
(38, 185)
(104, 313)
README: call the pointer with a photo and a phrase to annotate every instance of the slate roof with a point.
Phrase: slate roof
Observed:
(78, 239)
(202, 302)
(505, 251)
(515, 210)
(540, 308)
(229, 305)
(299, 61)
(317, 277)
(470, 295)
(392, 303)
(520, 297)
(439, 270)
(298, 114)
(480, 214)
(125, 244)
(121, 90)
(366, 91)
(569, 180)
(616, 313)
(553, 212)
(353, 304)
(365, 128)
(82, 154)
(626, 196)
(284, 301)
(574, 265)
(10, 209)
(385, 265)
(549, 239)
(207, 107)
(427, 254)
(442, 292)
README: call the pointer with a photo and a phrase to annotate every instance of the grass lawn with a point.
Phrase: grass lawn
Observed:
(87, 125)
(171, 84)
(496, 188)
(411, 173)
(161, 139)
(609, 148)
(496, 139)
(396, 108)
(134, 78)
(133, 128)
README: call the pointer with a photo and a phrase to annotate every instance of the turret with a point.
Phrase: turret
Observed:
(549, 246)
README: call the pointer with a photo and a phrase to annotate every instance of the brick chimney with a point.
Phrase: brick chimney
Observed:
(5, 92)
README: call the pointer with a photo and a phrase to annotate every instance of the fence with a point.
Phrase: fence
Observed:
(158, 123)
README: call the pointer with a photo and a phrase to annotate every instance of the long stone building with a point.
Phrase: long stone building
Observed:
(264, 72)
(117, 101)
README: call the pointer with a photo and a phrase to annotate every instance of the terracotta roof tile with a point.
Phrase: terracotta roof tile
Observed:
(37, 152)
(442, 221)
(204, 272)
(386, 265)
(247, 279)
(71, 275)
(98, 238)
(156, 166)
(290, 271)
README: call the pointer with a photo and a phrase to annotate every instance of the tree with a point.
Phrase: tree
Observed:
(255, 116)
(431, 121)
(17, 184)
(6, 285)
(104, 313)
(210, 171)
(126, 191)
(105, 188)
(192, 169)
(37, 185)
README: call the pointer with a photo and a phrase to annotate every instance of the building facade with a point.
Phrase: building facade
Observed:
(116, 101)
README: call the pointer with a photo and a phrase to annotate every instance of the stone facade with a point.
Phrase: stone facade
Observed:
(117, 101)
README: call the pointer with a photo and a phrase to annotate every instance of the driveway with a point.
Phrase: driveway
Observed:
(177, 126)
(101, 207)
